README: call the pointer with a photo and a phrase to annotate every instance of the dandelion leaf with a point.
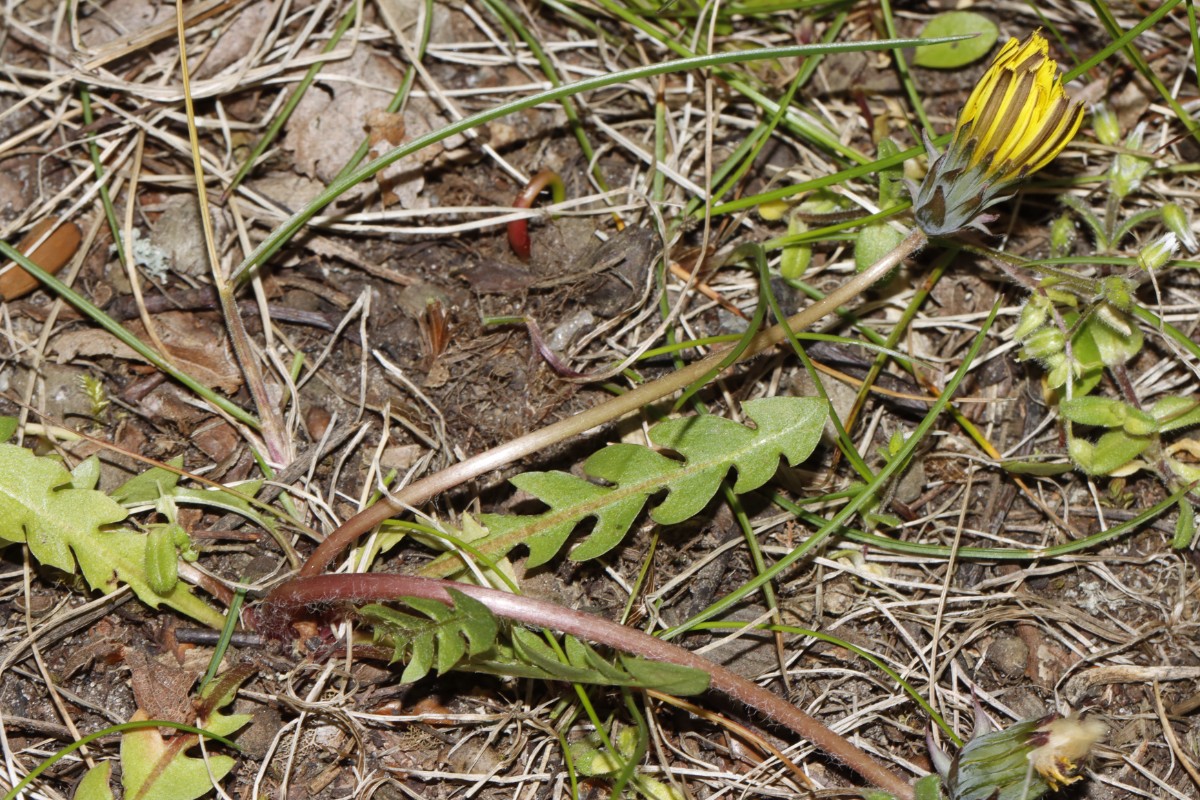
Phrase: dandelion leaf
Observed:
(708, 447)
(64, 524)
(673, 679)
(585, 665)
(94, 783)
(443, 636)
(464, 636)
(147, 487)
(154, 768)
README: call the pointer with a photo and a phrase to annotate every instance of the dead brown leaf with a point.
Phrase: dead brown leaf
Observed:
(327, 126)
(161, 689)
(195, 342)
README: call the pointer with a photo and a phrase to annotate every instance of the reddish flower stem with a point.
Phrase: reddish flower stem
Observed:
(302, 596)
(518, 229)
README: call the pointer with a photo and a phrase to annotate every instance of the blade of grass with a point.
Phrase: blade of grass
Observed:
(742, 159)
(513, 21)
(906, 317)
(796, 124)
(891, 161)
(293, 100)
(270, 426)
(231, 622)
(858, 651)
(926, 550)
(1139, 63)
(1195, 34)
(398, 99)
(845, 444)
(910, 88)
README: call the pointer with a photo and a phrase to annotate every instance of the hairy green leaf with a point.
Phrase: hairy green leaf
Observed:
(787, 427)
(162, 560)
(1174, 413)
(63, 524)
(593, 759)
(1111, 452)
(1041, 468)
(1185, 526)
(1087, 355)
(928, 788)
(1107, 412)
(1113, 346)
(1103, 412)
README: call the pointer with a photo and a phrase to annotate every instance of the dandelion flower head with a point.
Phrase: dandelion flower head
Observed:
(1016, 120)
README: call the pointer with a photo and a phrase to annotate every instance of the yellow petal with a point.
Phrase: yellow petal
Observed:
(1018, 113)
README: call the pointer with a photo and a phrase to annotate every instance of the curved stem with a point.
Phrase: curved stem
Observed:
(420, 491)
(518, 229)
(297, 596)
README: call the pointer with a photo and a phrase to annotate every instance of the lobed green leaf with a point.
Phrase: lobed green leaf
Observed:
(787, 427)
(445, 635)
(585, 665)
(65, 524)
(156, 769)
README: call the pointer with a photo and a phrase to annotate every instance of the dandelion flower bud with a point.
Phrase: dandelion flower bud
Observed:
(1156, 254)
(1177, 222)
(1024, 761)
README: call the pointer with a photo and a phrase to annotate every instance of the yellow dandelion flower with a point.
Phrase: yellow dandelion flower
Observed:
(1017, 119)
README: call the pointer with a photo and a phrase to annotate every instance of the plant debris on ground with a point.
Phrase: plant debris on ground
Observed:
(491, 293)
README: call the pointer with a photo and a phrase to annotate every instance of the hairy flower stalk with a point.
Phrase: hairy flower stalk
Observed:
(1015, 122)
